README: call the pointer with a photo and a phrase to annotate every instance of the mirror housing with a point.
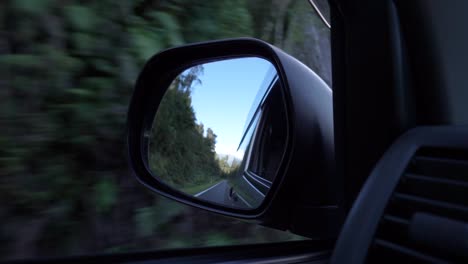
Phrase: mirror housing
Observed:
(305, 197)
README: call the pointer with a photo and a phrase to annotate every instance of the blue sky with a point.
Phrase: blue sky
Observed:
(225, 96)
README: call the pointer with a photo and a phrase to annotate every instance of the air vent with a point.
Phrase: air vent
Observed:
(426, 219)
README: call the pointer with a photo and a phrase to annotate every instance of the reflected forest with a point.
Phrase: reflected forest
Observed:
(181, 153)
(67, 70)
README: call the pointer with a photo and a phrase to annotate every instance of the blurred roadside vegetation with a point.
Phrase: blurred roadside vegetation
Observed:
(67, 69)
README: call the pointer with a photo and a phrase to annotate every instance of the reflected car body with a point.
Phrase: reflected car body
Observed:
(263, 143)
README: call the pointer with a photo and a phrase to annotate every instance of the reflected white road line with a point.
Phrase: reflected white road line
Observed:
(249, 205)
(202, 192)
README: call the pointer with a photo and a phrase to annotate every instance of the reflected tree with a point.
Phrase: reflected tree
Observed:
(180, 153)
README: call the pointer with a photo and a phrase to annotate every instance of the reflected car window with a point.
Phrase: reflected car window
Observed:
(271, 142)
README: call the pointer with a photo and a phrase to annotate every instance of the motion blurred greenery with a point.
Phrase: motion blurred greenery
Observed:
(67, 70)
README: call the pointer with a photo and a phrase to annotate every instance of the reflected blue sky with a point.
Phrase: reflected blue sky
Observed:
(223, 99)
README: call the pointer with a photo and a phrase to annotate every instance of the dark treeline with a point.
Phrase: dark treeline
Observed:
(67, 70)
(181, 152)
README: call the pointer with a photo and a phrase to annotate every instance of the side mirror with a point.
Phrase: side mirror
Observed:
(240, 128)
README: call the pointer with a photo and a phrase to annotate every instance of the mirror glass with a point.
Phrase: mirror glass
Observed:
(220, 132)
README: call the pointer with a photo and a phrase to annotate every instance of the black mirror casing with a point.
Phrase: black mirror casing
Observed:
(305, 197)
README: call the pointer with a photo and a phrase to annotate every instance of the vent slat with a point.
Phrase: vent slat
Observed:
(396, 220)
(439, 167)
(437, 180)
(431, 202)
(407, 251)
(435, 188)
(441, 161)
(394, 228)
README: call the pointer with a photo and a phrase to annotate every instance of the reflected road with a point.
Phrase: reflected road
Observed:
(219, 193)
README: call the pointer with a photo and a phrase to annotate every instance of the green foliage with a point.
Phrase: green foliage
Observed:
(80, 17)
(149, 220)
(145, 221)
(180, 153)
(168, 27)
(105, 192)
(20, 61)
(218, 239)
(146, 42)
(32, 6)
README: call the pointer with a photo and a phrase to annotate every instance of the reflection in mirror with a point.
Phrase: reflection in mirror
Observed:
(220, 132)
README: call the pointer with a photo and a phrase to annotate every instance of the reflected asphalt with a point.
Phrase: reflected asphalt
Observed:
(219, 193)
